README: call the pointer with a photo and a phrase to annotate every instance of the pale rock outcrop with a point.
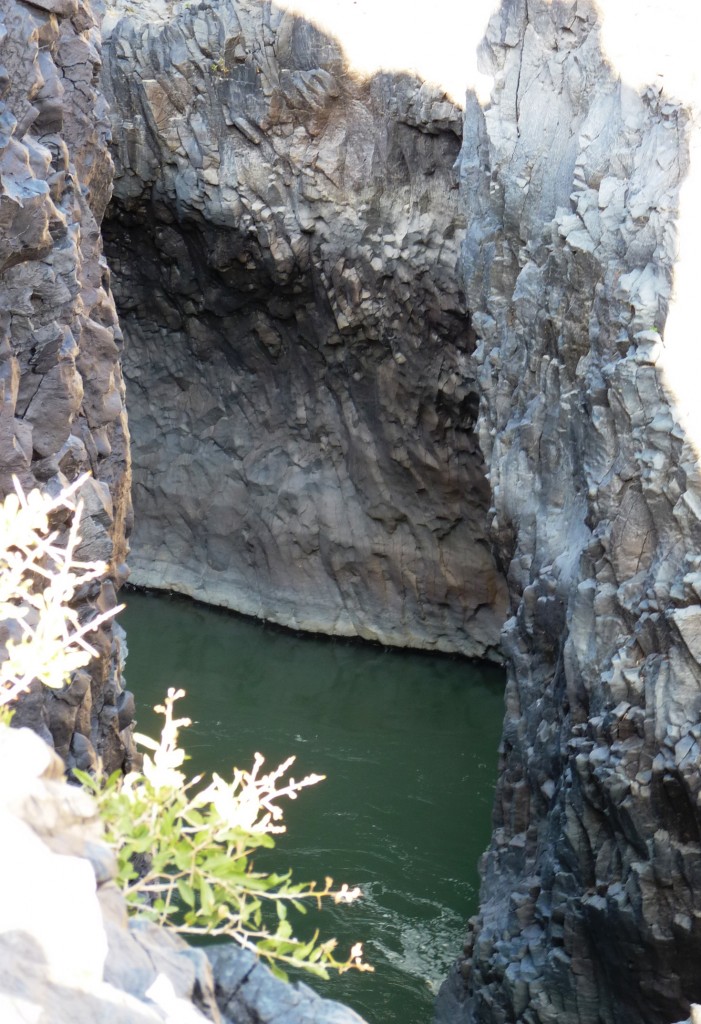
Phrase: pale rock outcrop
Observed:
(591, 898)
(61, 392)
(69, 954)
(284, 237)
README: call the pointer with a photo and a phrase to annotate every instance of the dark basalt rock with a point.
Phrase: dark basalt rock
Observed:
(247, 992)
(591, 896)
(61, 392)
(284, 237)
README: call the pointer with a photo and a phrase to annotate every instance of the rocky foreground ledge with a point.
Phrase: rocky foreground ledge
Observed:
(68, 952)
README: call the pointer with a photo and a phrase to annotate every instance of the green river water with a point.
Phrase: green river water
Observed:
(408, 743)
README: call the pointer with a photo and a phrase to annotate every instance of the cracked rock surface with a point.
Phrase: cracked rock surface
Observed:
(248, 993)
(284, 237)
(591, 898)
(61, 392)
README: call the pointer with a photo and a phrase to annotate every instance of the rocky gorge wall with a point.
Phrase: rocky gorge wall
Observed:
(292, 318)
(284, 236)
(571, 184)
(288, 320)
(61, 392)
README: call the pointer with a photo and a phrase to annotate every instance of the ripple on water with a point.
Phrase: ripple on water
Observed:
(408, 744)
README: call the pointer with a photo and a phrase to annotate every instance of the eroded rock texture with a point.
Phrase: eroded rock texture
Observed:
(61, 393)
(591, 900)
(284, 237)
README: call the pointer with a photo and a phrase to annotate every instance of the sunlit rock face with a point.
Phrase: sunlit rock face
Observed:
(61, 393)
(570, 182)
(75, 956)
(285, 236)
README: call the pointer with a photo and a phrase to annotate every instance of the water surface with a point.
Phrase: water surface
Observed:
(408, 743)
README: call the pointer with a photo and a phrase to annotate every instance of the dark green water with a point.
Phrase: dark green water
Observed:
(408, 743)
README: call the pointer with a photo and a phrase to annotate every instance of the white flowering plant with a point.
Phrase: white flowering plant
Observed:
(183, 849)
(184, 853)
(41, 634)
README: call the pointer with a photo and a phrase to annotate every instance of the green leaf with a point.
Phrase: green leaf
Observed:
(206, 896)
(308, 949)
(193, 817)
(86, 780)
(316, 969)
(141, 844)
(182, 857)
(187, 893)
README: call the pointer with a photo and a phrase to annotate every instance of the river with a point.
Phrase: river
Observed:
(408, 742)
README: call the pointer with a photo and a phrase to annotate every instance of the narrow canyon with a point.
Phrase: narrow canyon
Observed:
(397, 368)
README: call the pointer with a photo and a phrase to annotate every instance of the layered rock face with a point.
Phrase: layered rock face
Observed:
(284, 236)
(61, 392)
(591, 899)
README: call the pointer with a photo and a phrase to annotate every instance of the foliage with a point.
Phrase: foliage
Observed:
(195, 845)
(41, 635)
(218, 67)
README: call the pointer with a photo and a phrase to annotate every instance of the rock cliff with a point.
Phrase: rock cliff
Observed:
(342, 364)
(284, 236)
(61, 392)
(591, 899)
(318, 321)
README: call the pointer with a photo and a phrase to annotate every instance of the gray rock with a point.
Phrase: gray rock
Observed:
(248, 993)
(590, 904)
(284, 238)
(61, 391)
(68, 953)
